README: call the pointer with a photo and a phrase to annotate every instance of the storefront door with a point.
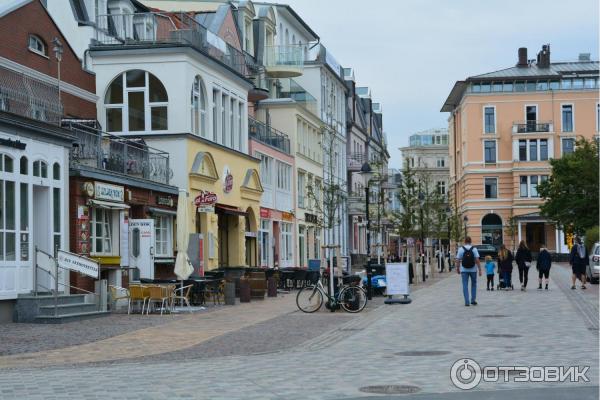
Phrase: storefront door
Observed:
(223, 240)
(41, 238)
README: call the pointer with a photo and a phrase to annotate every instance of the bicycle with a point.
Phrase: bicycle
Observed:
(351, 298)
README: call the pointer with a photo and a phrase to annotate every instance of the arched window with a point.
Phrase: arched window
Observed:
(136, 101)
(24, 166)
(37, 45)
(491, 230)
(199, 107)
(56, 171)
(6, 163)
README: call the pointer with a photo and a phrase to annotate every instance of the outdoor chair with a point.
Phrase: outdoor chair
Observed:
(216, 290)
(117, 293)
(157, 294)
(182, 294)
(137, 294)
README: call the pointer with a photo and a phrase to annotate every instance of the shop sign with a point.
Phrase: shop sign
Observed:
(265, 213)
(287, 216)
(250, 234)
(310, 218)
(205, 209)
(74, 262)
(15, 144)
(104, 191)
(227, 180)
(164, 201)
(205, 198)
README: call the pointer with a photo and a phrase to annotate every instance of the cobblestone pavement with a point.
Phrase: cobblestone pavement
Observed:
(548, 330)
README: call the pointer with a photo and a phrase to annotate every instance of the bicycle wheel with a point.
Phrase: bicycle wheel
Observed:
(309, 299)
(353, 299)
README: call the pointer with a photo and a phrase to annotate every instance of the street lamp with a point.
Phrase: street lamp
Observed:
(421, 204)
(367, 174)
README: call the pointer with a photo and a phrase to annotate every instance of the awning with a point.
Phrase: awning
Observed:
(154, 210)
(230, 210)
(108, 205)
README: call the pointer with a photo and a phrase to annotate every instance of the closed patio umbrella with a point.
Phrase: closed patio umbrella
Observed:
(183, 268)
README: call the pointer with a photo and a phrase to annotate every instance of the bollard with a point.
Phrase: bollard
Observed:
(271, 287)
(229, 293)
(244, 290)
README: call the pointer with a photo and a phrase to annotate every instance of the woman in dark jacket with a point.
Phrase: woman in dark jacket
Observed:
(523, 259)
(544, 262)
(579, 261)
(505, 259)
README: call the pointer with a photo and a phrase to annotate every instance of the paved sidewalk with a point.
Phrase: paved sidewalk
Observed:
(548, 331)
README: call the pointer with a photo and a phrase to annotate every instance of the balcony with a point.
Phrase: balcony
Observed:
(159, 29)
(100, 150)
(284, 61)
(532, 126)
(290, 89)
(29, 97)
(355, 161)
(268, 135)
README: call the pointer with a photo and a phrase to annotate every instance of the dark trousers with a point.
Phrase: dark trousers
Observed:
(523, 272)
(490, 281)
(506, 277)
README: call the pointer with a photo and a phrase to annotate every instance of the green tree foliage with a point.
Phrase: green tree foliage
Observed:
(571, 193)
(592, 236)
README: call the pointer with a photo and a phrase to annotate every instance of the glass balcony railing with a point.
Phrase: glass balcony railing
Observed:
(290, 89)
(100, 150)
(154, 28)
(284, 61)
(270, 136)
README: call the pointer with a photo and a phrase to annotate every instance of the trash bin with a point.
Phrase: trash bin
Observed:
(271, 287)
(229, 293)
(244, 290)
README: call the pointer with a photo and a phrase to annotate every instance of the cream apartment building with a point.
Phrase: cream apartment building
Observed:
(504, 126)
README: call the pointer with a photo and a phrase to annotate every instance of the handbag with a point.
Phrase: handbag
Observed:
(527, 264)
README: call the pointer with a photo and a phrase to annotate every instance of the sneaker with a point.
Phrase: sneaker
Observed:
(573, 287)
(487, 289)
(583, 287)
(466, 305)
(474, 303)
(540, 287)
(522, 289)
(492, 289)
(546, 287)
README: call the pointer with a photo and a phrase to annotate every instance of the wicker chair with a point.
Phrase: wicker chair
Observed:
(158, 294)
(184, 296)
(137, 293)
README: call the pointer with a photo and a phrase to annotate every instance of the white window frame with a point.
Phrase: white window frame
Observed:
(526, 186)
(495, 151)
(284, 176)
(441, 162)
(198, 107)
(286, 252)
(441, 187)
(163, 235)
(113, 234)
(265, 233)
(597, 117)
(537, 112)
(495, 120)
(266, 169)
(562, 125)
(561, 143)
(37, 40)
(301, 189)
(494, 178)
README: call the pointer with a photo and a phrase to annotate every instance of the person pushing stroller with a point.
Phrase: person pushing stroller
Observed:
(505, 267)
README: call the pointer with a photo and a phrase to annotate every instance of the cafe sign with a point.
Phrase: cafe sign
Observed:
(104, 191)
(265, 213)
(205, 198)
(227, 180)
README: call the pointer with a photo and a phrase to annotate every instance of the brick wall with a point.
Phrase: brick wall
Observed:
(32, 18)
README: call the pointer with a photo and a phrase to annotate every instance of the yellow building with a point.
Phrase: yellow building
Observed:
(504, 128)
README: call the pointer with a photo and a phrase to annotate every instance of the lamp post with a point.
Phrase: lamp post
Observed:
(58, 52)
(421, 204)
(465, 220)
(367, 174)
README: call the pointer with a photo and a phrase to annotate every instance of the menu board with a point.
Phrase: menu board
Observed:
(396, 275)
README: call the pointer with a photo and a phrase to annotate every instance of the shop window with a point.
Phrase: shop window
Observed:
(37, 45)
(102, 234)
(264, 242)
(199, 107)
(136, 101)
(24, 166)
(163, 239)
(286, 251)
(302, 245)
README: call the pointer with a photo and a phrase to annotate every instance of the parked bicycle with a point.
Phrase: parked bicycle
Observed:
(351, 297)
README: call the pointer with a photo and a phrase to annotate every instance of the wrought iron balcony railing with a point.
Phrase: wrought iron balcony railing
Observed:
(96, 149)
(268, 135)
(532, 126)
(153, 28)
(29, 97)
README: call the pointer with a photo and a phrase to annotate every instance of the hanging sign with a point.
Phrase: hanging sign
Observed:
(76, 263)
(205, 198)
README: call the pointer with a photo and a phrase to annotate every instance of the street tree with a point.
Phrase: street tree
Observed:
(571, 193)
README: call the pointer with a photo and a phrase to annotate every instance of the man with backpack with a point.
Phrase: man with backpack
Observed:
(468, 266)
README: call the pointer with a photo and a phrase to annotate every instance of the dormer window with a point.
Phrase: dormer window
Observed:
(37, 45)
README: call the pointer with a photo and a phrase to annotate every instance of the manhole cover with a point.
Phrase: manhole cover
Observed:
(390, 389)
(422, 353)
(493, 316)
(500, 335)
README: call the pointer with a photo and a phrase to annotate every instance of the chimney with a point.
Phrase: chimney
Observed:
(522, 57)
(543, 57)
(585, 57)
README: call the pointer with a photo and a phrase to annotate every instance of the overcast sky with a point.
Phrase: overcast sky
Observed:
(411, 52)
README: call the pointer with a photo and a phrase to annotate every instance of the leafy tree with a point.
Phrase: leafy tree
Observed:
(571, 193)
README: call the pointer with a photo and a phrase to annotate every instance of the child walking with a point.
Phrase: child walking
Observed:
(489, 270)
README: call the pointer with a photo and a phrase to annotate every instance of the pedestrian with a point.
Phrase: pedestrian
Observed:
(505, 259)
(468, 266)
(544, 262)
(523, 259)
(489, 270)
(579, 261)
